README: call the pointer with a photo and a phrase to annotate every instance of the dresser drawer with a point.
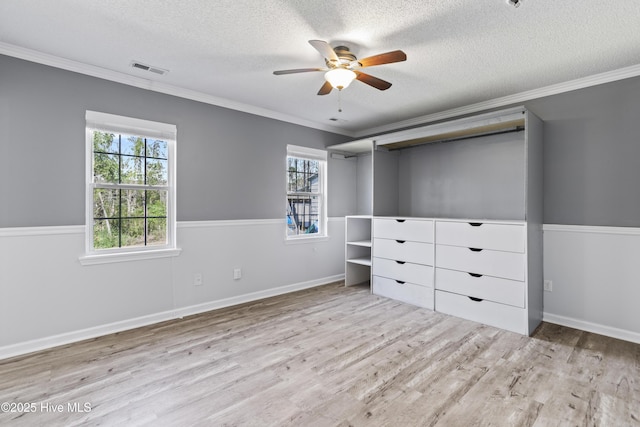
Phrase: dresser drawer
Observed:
(508, 265)
(501, 237)
(405, 272)
(488, 312)
(405, 292)
(402, 250)
(495, 289)
(403, 229)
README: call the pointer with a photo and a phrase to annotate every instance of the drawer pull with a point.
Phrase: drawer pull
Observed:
(475, 299)
(475, 224)
(401, 241)
(400, 220)
(475, 249)
(400, 282)
(401, 262)
(474, 274)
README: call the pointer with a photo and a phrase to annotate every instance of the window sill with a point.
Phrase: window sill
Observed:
(95, 259)
(302, 240)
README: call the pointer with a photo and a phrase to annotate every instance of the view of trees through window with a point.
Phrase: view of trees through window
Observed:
(130, 191)
(303, 196)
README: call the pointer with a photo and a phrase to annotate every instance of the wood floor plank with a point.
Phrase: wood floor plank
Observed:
(329, 356)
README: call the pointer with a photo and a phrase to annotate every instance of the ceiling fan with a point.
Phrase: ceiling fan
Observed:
(342, 67)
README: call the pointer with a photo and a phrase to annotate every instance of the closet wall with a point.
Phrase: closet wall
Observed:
(481, 177)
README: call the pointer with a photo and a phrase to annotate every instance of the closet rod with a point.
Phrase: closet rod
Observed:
(460, 138)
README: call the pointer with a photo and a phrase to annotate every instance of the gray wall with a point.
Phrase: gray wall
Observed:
(591, 164)
(591, 152)
(342, 186)
(364, 184)
(230, 164)
(592, 155)
(385, 183)
(473, 178)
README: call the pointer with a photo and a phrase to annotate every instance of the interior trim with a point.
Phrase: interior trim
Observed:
(517, 98)
(41, 231)
(19, 349)
(80, 229)
(115, 76)
(118, 77)
(230, 222)
(628, 231)
(110, 258)
(583, 325)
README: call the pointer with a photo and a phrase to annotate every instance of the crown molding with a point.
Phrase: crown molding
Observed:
(139, 82)
(518, 98)
(118, 77)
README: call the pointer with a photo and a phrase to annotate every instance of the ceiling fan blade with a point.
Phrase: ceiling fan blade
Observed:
(298, 70)
(325, 49)
(372, 81)
(383, 58)
(325, 89)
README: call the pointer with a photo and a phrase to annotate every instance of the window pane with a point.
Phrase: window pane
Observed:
(105, 168)
(106, 203)
(157, 172)
(132, 145)
(137, 215)
(157, 149)
(156, 231)
(132, 171)
(303, 214)
(105, 142)
(156, 203)
(302, 175)
(132, 203)
(106, 233)
(133, 232)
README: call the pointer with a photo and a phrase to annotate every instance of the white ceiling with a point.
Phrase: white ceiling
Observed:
(460, 52)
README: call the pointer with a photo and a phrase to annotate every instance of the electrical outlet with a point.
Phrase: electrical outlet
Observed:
(237, 273)
(548, 285)
(197, 279)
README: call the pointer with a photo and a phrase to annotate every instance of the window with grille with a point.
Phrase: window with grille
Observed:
(130, 188)
(306, 178)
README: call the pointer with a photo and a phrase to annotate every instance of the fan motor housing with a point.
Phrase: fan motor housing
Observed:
(344, 53)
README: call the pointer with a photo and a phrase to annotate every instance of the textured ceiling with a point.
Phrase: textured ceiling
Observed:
(460, 52)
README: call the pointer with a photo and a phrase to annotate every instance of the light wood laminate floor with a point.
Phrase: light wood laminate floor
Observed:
(328, 356)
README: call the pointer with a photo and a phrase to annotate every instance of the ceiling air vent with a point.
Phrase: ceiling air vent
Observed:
(149, 68)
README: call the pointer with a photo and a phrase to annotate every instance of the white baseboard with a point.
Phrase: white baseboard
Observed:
(254, 296)
(592, 327)
(19, 349)
(111, 328)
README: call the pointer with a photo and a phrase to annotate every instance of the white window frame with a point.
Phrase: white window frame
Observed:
(321, 156)
(127, 125)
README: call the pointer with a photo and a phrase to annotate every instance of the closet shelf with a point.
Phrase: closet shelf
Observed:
(361, 261)
(365, 243)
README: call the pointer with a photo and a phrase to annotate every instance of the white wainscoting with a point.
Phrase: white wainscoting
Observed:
(596, 285)
(48, 298)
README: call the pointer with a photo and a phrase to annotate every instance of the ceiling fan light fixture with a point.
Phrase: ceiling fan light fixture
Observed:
(339, 78)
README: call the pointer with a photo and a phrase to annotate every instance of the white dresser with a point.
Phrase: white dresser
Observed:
(474, 269)
(481, 272)
(403, 256)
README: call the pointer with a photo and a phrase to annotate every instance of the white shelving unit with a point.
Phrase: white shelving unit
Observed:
(497, 179)
(358, 250)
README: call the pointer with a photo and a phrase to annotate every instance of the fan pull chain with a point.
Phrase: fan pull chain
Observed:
(339, 101)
